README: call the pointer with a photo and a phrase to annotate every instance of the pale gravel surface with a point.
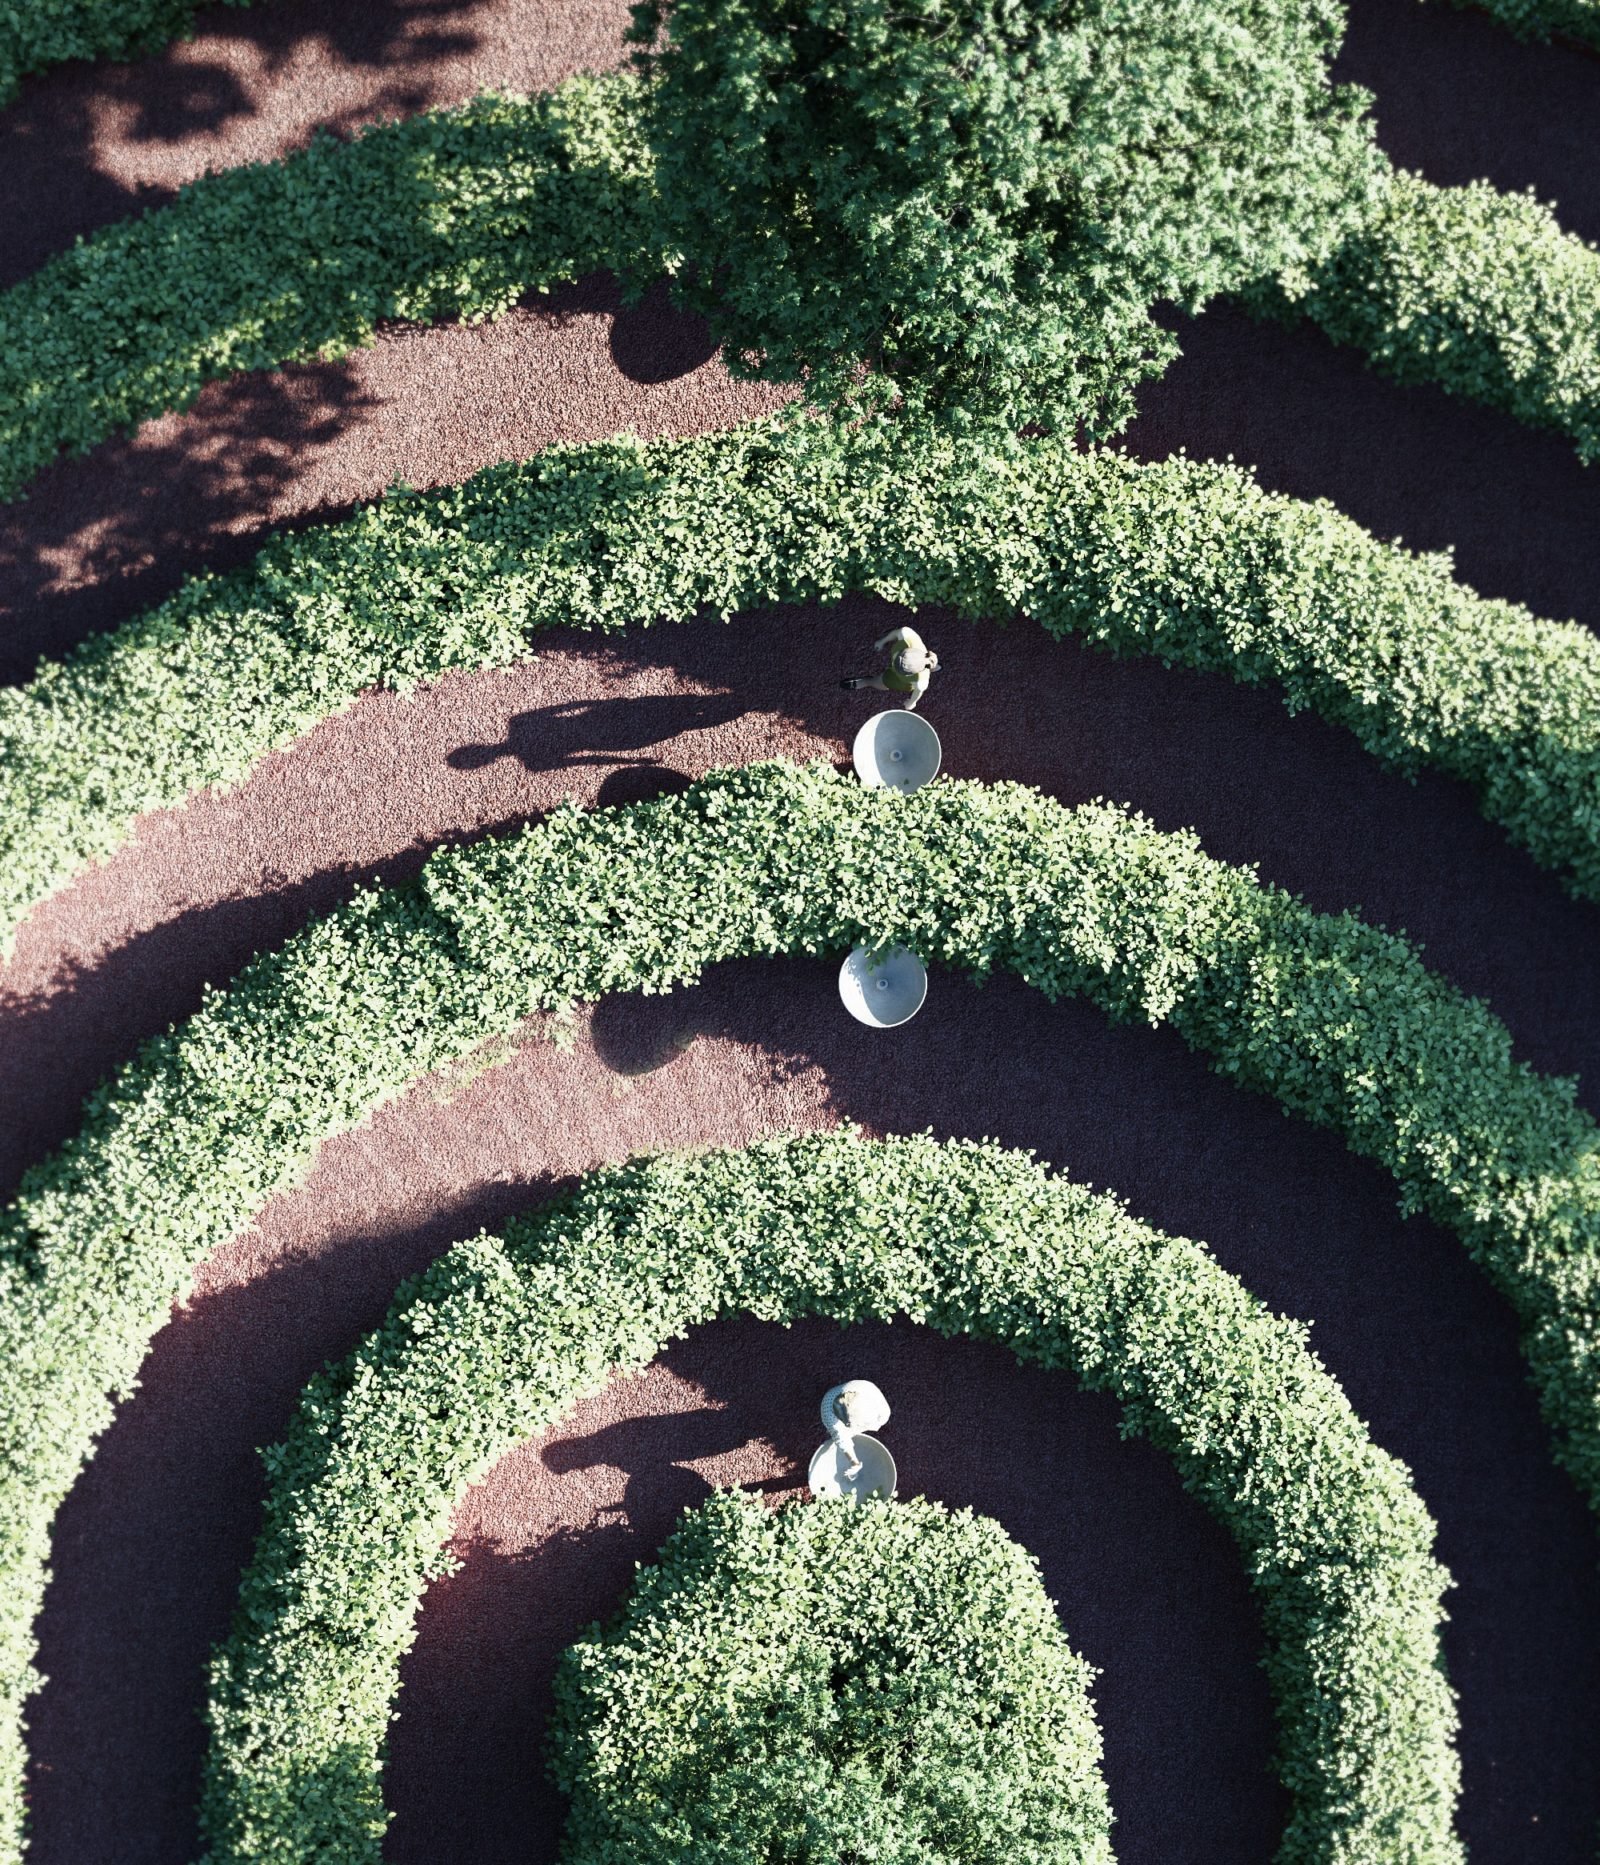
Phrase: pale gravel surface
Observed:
(153, 1538)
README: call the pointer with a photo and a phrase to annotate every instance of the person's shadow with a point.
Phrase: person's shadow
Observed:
(654, 1453)
(597, 731)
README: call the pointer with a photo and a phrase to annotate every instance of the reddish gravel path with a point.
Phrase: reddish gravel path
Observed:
(1311, 1229)
(88, 143)
(153, 1538)
(102, 537)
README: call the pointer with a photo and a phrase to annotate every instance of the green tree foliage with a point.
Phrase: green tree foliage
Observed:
(814, 1684)
(497, 1339)
(980, 200)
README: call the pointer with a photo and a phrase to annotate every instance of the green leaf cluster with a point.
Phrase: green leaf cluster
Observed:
(1473, 289)
(1578, 20)
(971, 205)
(448, 214)
(1340, 1021)
(500, 1336)
(35, 34)
(1188, 561)
(813, 1684)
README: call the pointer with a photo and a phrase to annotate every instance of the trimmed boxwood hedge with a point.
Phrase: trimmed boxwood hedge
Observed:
(1188, 561)
(888, 1681)
(1545, 19)
(1476, 290)
(459, 212)
(1340, 1021)
(498, 1338)
(35, 34)
(453, 213)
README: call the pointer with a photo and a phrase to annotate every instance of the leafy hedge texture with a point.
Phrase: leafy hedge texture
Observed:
(458, 213)
(1184, 560)
(498, 1338)
(35, 34)
(1340, 1021)
(887, 1681)
(982, 199)
(1546, 19)
(452, 213)
(1478, 291)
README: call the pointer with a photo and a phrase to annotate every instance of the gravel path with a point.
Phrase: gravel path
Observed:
(152, 1540)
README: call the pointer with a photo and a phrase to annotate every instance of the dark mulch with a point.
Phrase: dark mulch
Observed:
(152, 1539)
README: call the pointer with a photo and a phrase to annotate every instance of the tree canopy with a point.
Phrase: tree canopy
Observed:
(969, 207)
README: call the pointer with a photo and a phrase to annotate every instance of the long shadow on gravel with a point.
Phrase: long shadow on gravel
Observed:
(51, 137)
(152, 1539)
(104, 536)
(101, 538)
(1294, 795)
(1520, 513)
(1459, 99)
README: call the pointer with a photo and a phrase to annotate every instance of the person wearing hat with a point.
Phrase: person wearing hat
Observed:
(849, 1410)
(911, 666)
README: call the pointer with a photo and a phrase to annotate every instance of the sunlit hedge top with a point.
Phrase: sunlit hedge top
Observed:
(829, 1682)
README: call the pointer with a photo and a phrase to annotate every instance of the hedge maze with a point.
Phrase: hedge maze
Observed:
(459, 213)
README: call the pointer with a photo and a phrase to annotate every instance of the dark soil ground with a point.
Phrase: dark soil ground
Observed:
(152, 1540)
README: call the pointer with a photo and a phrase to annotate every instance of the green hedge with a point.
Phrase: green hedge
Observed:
(452, 213)
(1476, 290)
(497, 1339)
(1545, 19)
(1338, 1020)
(887, 1681)
(1184, 560)
(35, 34)
(458, 213)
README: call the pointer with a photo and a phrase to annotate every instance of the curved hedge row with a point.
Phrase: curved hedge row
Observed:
(1188, 561)
(889, 1681)
(458, 212)
(1338, 1020)
(1476, 290)
(35, 34)
(451, 213)
(498, 1338)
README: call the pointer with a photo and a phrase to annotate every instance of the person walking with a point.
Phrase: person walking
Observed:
(911, 666)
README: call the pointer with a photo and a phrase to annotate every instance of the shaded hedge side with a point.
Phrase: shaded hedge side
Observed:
(1340, 1021)
(453, 213)
(499, 1338)
(1477, 291)
(1188, 561)
(1578, 20)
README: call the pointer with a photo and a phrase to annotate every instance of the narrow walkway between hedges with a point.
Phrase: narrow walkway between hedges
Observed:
(152, 1540)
